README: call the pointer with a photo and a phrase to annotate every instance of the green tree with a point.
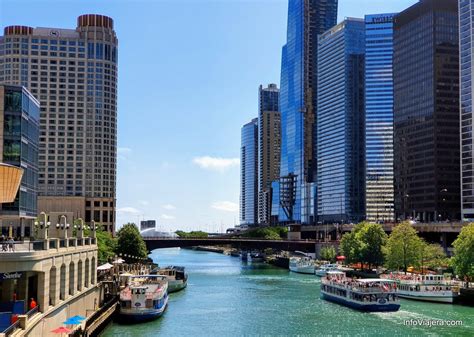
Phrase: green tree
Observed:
(267, 233)
(372, 239)
(463, 260)
(328, 253)
(351, 247)
(106, 245)
(403, 247)
(130, 242)
(432, 256)
(193, 234)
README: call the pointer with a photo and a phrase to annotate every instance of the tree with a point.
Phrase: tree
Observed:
(106, 245)
(350, 247)
(432, 256)
(463, 260)
(372, 239)
(328, 253)
(130, 242)
(403, 247)
(193, 234)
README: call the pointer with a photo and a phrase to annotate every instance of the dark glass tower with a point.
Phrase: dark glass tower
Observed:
(297, 191)
(426, 111)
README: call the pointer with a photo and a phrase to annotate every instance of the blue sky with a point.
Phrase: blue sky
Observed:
(189, 72)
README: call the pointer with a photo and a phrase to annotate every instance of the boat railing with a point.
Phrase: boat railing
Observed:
(362, 289)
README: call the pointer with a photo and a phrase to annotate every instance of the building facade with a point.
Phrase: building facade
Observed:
(73, 73)
(340, 128)
(379, 190)
(147, 224)
(19, 136)
(249, 173)
(298, 96)
(269, 148)
(466, 34)
(426, 111)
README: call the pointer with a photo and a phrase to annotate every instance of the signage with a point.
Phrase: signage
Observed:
(10, 276)
(382, 19)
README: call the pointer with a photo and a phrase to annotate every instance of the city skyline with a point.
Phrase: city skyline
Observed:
(190, 182)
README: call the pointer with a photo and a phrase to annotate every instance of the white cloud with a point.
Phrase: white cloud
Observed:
(226, 206)
(216, 163)
(130, 210)
(169, 207)
(167, 217)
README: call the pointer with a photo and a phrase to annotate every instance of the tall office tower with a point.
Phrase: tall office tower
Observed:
(249, 173)
(426, 111)
(379, 191)
(268, 148)
(340, 116)
(147, 224)
(19, 135)
(466, 38)
(298, 96)
(73, 73)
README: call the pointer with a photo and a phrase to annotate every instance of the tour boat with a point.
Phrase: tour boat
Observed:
(144, 298)
(430, 288)
(256, 257)
(370, 295)
(176, 276)
(302, 265)
(324, 269)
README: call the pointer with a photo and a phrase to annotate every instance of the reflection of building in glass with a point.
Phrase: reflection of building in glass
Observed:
(19, 130)
(249, 173)
(298, 96)
(426, 111)
(466, 10)
(268, 148)
(73, 73)
(340, 128)
(379, 193)
(146, 224)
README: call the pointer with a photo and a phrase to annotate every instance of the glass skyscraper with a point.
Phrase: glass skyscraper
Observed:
(466, 23)
(379, 191)
(298, 95)
(249, 173)
(426, 111)
(340, 128)
(19, 136)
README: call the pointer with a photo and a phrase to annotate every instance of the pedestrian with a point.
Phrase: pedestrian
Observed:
(11, 246)
(33, 303)
(3, 242)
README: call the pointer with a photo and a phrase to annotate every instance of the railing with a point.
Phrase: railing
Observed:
(9, 331)
(7, 247)
(33, 311)
(62, 243)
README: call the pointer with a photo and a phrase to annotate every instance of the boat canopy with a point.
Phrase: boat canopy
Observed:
(372, 280)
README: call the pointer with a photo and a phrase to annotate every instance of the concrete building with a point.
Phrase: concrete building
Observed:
(249, 173)
(269, 138)
(146, 224)
(340, 127)
(379, 191)
(298, 97)
(426, 111)
(19, 130)
(466, 45)
(73, 73)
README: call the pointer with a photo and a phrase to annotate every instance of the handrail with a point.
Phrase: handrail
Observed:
(33, 311)
(8, 331)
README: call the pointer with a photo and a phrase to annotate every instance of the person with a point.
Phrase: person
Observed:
(11, 247)
(4, 243)
(33, 303)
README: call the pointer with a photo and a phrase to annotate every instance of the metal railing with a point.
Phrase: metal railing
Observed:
(33, 311)
(9, 331)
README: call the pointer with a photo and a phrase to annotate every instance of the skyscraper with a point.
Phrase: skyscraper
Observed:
(466, 38)
(73, 73)
(298, 96)
(268, 148)
(379, 192)
(19, 135)
(426, 111)
(340, 127)
(249, 173)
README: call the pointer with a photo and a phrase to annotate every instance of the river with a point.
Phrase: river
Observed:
(227, 297)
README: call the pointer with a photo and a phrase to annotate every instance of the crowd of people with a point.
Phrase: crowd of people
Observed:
(7, 244)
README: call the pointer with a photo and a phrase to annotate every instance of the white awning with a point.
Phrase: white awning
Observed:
(106, 266)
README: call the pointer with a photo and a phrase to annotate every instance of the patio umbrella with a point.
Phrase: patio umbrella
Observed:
(106, 266)
(74, 320)
(62, 330)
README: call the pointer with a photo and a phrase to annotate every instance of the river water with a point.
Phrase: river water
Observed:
(227, 297)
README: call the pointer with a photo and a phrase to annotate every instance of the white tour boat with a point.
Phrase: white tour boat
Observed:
(325, 268)
(302, 265)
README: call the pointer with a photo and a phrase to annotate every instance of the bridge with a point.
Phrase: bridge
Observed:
(240, 243)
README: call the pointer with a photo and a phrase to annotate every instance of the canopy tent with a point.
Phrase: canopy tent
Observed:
(105, 266)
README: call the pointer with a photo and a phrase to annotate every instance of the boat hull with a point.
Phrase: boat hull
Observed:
(428, 298)
(302, 270)
(320, 273)
(138, 316)
(174, 286)
(369, 307)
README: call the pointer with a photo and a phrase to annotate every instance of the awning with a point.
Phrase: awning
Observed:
(106, 266)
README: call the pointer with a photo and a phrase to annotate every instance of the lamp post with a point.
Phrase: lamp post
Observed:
(42, 224)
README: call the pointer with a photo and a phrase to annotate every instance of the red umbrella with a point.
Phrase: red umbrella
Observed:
(342, 257)
(62, 330)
